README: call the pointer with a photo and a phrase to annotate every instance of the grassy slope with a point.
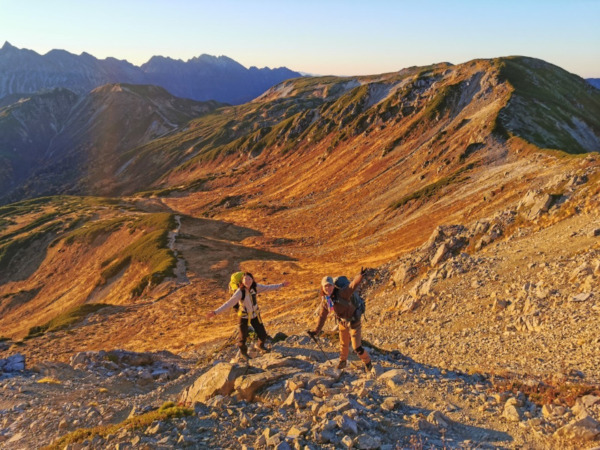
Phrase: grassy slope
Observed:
(87, 242)
(546, 102)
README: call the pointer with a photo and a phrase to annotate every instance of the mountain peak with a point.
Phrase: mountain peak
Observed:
(7, 46)
(222, 60)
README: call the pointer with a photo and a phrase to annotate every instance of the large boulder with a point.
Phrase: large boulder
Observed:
(220, 379)
(404, 274)
(246, 386)
(585, 429)
(14, 363)
(275, 360)
(443, 233)
(538, 203)
(440, 255)
(394, 378)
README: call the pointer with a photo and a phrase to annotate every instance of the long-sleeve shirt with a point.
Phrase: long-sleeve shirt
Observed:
(248, 306)
(343, 310)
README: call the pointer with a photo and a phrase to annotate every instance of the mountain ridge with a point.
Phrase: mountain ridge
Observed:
(594, 82)
(25, 71)
(413, 109)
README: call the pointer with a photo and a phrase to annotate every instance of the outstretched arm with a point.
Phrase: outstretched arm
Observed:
(237, 295)
(270, 287)
(357, 279)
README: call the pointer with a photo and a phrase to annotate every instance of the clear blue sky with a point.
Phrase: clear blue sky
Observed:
(316, 36)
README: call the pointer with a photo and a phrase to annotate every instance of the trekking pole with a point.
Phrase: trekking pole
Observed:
(314, 338)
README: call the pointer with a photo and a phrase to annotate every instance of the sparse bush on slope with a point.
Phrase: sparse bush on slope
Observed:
(66, 319)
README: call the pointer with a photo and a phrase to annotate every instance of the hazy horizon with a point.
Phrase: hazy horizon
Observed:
(331, 38)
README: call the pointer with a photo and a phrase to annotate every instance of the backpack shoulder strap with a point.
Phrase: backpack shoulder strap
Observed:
(252, 296)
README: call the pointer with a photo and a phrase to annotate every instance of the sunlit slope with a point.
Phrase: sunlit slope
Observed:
(319, 175)
(379, 160)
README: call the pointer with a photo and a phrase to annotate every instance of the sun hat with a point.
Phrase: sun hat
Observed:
(327, 280)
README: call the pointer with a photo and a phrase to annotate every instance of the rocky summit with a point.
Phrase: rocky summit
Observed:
(467, 194)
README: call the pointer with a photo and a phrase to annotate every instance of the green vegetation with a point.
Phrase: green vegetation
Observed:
(431, 189)
(35, 205)
(88, 233)
(443, 100)
(6, 210)
(99, 201)
(114, 267)
(350, 105)
(4, 223)
(32, 225)
(546, 96)
(10, 249)
(156, 221)
(471, 148)
(66, 319)
(151, 250)
(165, 412)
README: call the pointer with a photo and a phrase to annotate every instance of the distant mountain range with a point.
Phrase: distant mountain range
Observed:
(202, 78)
(594, 82)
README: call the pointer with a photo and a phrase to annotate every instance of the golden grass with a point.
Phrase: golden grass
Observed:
(166, 412)
(66, 319)
(49, 380)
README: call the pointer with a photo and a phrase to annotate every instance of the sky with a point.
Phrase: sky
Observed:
(325, 37)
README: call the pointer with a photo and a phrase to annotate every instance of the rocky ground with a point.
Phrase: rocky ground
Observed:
(528, 305)
(292, 397)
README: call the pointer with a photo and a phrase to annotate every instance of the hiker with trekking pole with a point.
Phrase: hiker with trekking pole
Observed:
(340, 297)
(248, 311)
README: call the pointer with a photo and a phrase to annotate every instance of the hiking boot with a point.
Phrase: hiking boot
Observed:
(341, 365)
(368, 367)
(262, 349)
(243, 356)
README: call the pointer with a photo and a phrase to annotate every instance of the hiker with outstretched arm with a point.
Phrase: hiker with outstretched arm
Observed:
(248, 312)
(338, 301)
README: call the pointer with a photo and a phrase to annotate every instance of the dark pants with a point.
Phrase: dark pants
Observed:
(243, 335)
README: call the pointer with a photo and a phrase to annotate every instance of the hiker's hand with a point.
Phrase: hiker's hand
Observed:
(285, 283)
(311, 333)
(210, 315)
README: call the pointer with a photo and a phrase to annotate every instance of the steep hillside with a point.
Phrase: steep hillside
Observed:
(81, 244)
(203, 78)
(59, 142)
(396, 154)
(549, 106)
(27, 127)
(339, 172)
